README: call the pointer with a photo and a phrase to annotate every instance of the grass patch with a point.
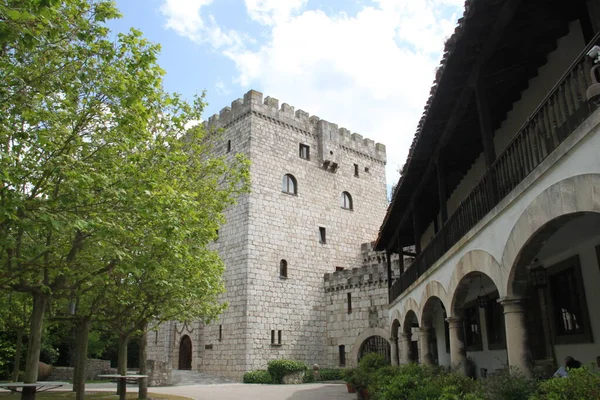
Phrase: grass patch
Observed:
(96, 395)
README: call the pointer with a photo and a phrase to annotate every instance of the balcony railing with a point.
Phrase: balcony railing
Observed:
(556, 117)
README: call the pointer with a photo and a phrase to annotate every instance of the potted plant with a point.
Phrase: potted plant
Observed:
(347, 377)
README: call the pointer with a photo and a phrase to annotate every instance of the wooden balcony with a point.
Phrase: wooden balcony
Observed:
(557, 116)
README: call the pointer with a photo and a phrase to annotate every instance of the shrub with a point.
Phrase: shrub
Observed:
(278, 368)
(258, 376)
(507, 385)
(347, 374)
(416, 382)
(309, 376)
(332, 374)
(580, 384)
(372, 362)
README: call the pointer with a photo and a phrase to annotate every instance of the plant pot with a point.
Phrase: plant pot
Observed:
(350, 388)
(360, 394)
(366, 394)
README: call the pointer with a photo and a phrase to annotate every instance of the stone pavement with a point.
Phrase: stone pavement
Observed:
(236, 391)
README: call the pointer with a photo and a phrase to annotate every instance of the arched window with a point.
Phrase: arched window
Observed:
(283, 269)
(346, 201)
(289, 184)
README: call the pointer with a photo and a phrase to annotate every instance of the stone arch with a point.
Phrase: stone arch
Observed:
(575, 195)
(367, 333)
(474, 261)
(433, 289)
(411, 305)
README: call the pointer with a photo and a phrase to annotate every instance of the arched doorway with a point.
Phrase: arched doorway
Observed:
(375, 344)
(434, 322)
(410, 345)
(185, 353)
(557, 273)
(481, 335)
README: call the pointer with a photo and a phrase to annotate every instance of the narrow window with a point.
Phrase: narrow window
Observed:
(155, 337)
(220, 332)
(217, 232)
(289, 184)
(494, 320)
(304, 151)
(472, 328)
(367, 170)
(272, 336)
(342, 350)
(278, 337)
(228, 146)
(355, 169)
(349, 299)
(346, 201)
(283, 269)
(322, 235)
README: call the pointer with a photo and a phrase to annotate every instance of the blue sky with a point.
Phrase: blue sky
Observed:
(365, 65)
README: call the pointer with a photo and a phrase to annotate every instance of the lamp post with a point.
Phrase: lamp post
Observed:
(539, 278)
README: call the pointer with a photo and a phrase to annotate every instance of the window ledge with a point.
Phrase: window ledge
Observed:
(347, 209)
(282, 277)
(276, 345)
(289, 194)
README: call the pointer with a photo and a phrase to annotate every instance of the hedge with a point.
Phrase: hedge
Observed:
(279, 368)
(257, 376)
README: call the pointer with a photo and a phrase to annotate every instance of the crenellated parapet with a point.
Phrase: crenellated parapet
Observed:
(355, 277)
(332, 139)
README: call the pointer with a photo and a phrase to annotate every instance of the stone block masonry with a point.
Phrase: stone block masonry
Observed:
(269, 315)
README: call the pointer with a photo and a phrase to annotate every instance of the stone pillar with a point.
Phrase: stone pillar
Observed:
(394, 350)
(405, 352)
(424, 354)
(516, 334)
(457, 343)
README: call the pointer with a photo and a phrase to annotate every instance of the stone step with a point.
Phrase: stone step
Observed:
(188, 378)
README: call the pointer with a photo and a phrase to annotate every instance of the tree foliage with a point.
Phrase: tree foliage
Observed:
(105, 196)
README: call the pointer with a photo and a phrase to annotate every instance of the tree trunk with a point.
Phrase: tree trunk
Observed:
(19, 350)
(81, 349)
(122, 365)
(143, 382)
(40, 300)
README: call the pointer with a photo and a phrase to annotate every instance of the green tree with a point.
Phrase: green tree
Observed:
(94, 166)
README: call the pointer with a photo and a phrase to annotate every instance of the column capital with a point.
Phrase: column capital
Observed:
(512, 304)
(404, 336)
(393, 339)
(454, 322)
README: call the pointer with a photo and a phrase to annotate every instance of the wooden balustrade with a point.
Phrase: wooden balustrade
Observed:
(556, 117)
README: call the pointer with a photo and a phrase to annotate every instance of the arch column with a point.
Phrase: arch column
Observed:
(457, 343)
(424, 355)
(516, 334)
(405, 352)
(394, 350)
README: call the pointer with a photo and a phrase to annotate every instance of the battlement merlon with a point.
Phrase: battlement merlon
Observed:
(269, 107)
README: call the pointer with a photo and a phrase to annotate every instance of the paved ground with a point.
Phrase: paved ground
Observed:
(187, 378)
(236, 391)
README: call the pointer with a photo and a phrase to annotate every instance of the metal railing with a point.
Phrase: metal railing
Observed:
(557, 116)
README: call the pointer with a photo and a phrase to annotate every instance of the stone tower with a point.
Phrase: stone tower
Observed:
(317, 193)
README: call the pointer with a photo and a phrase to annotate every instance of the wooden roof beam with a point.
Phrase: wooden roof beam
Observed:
(504, 18)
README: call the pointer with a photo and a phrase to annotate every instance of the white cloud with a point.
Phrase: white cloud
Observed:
(271, 12)
(370, 72)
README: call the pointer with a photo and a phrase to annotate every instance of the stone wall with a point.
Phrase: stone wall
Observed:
(93, 368)
(367, 289)
(159, 373)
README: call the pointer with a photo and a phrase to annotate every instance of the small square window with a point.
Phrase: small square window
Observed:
(304, 151)
(355, 169)
(322, 235)
(367, 170)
